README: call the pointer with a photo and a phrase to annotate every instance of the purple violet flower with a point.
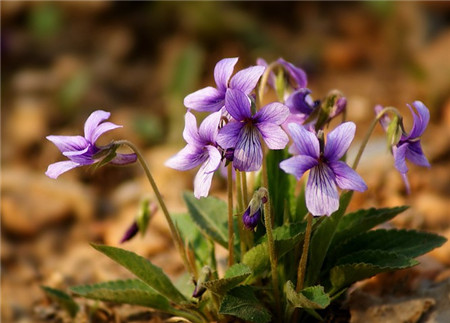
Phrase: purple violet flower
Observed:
(250, 221)
(202, 149)
(244, 131)
(213, 99)
(252, 215)
(409, 146)
(326, 170)
(82, 150)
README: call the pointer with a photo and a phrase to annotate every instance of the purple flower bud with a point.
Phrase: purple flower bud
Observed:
(251, 220)
(130, 233)
(339, 107)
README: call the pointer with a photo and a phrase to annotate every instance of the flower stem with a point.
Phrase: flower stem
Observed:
(370, 130)
(244, 187)
(264, 79)
(304, 258)
(230, 216)
(173, 229)
(240, 211)
(272, 255)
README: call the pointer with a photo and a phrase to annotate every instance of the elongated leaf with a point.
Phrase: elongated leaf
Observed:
(365, 264)
(313, 297)
(143, 269)
(131, 291)
(63, 299)
(211, 216)
(278, 184)
(235, 275)
(285, 237)
(409, 243)
(189, 232)
(364, 220)
(242, 303)
(321, 239)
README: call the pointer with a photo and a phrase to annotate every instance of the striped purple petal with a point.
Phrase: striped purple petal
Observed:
(245, 80)
(92, 122)
(222, 72)
(321, 194)
(339, 140)
(207, 99)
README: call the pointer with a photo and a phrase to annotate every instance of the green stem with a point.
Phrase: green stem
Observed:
(230, 216)
(244, 187)
(240, 212)
(270, 242)
(304, 258)
(264, 79)
(173, 229)
(370, 130)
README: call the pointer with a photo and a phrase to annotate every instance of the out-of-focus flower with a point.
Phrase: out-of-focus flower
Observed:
(409, 146)
(244, 132)
(140, 224)
(83, 151)
(202, 149)
(213, 99)
(326, 170)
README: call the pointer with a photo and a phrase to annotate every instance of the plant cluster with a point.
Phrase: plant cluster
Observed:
(292, 249)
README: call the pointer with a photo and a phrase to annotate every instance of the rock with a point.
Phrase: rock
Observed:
(30, 201)
(371, 309)
(435, 209)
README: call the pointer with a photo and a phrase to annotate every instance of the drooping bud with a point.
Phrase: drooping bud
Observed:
(394, 131)
(140, 224)
(332, 106)
(252, 215)
(205, 275)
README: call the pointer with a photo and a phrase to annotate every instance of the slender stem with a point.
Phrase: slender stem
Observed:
(240, 211)
(244, 187)
(304, 258)
(173, 229)
(264, 79)
(369, 132)
(272, 254)
(230, 216)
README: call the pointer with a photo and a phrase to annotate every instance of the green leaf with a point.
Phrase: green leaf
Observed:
(363, 220)
(189, 232)
(235, 275)
(242, 303)
(131, 291)
(321, 239)
(285, 237)
(63, 299)
(278, 184)
(365, 264)
(143, 269)
(211, 216)
(409, 243)
(313, 297)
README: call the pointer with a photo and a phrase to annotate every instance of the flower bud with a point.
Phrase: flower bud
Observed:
(205, 275)
(252, 215)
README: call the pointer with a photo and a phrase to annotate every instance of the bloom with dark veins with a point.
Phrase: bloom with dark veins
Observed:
(244, 131)
(82, 150)
(202, 149)
(213, 99)
(409, 146)
(326, 170)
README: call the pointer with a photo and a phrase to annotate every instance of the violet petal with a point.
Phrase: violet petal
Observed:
(245, 80)
(321, 193)
(248, 151)
(339, 140)
(56, 169)
(346, 177)
(274, 112)
(92, 123)
(298, 165)
(238, 104)
(305, 141)
(222, 72)
(273, 135)
(207, 99)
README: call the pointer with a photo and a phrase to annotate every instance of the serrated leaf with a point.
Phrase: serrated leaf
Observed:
(313, 297)
(189, 232)
(144, 270)
(409, 243)
(131, 291)
(235, 275)
(211, 216)
(242, 303)
(365, 264)
(286, 237)
(364, 220)
(321, 239)
(63, 299)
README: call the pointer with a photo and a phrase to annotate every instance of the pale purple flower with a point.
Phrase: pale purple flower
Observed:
(202, 149)
(213, 99)
(82, 150)
(243, 133)
(296, 74)
(326, 170)
(301, 105)
(409, 146)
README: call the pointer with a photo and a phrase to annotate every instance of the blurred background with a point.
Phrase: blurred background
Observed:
(62, 60)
